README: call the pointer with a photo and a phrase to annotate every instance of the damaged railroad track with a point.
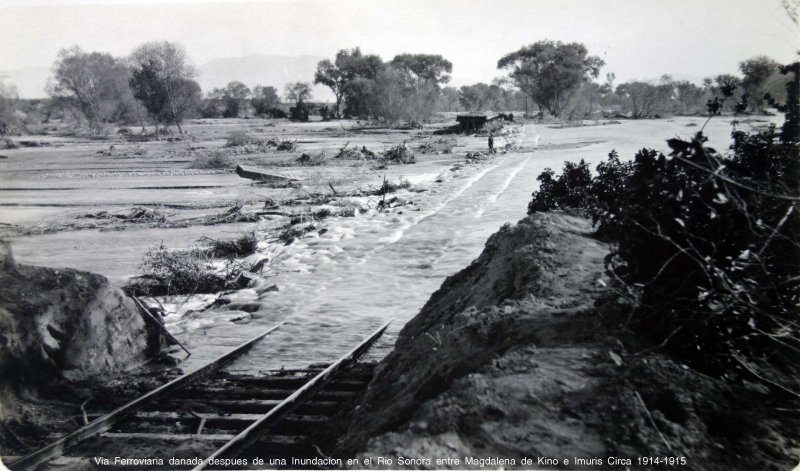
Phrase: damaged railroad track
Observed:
(210, 416)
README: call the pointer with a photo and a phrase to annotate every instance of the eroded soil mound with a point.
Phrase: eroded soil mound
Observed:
(515, 357)
(58, 327)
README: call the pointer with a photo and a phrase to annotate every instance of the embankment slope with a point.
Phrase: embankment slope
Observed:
(521, 354)
(58, 328)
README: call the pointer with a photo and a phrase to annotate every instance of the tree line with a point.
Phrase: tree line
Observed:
(156, 85)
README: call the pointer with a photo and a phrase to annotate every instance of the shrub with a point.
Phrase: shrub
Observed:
(241, 138)
(708, 243)
(7, 143)
(214, 160)
(571, 189)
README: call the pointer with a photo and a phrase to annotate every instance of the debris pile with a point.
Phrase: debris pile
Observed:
(240, 142)
(399, 154)
(168, 272)
(437, 145)
(312, 160)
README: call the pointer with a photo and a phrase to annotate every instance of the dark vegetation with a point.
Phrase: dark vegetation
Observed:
(706, 243)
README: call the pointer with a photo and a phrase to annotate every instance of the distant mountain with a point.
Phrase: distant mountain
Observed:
(30, 81)
(262, 69)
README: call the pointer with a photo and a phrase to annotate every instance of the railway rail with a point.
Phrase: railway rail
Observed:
(210, 416)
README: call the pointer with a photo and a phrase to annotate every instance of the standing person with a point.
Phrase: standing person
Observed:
(491, 142)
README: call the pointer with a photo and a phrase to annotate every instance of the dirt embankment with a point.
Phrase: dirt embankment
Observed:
(522, 355)
(59, 328)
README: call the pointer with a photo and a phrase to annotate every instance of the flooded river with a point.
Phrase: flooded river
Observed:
(337, 287)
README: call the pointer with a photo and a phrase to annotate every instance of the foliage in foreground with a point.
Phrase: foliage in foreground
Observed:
(707, 244)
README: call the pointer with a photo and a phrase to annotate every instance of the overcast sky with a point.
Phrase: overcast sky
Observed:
(637, 38)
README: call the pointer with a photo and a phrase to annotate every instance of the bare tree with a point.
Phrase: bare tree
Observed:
(94, 83)
(298, 92)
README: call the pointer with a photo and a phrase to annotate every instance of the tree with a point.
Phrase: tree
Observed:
(689, 96)
(265, 100)
(95, 84)
(550, 72)
(174, 104)
(235, 98)
(169, 73)
(330, 75)
(756, 72)
(480, 97)
(213, 105)
(8, 108)
(448, 100)
(298, 92)
(642, 97)
(424, 68)
(358, 70)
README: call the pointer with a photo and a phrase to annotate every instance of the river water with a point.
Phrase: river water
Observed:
(337, 287)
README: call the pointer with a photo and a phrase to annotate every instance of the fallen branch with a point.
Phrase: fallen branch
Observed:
(652, 421)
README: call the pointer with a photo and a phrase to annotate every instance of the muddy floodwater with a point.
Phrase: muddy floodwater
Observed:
(334, 285)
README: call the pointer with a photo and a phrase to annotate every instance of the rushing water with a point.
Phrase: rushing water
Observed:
(337, 287)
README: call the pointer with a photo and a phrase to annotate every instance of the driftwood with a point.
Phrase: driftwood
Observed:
(258, 175)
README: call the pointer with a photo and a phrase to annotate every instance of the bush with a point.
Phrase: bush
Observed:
(214, 160)
(7, 143)
(571, 189)
(707, 243)
(241, 138)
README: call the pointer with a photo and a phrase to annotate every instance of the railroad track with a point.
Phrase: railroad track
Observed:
(212, 419)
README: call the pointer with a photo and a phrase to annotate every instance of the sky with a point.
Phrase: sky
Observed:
(638, 39)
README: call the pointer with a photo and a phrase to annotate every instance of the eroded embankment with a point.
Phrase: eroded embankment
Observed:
(60, 329)
(521, 355)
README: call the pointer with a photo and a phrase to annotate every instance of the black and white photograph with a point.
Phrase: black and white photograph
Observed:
(400, 235)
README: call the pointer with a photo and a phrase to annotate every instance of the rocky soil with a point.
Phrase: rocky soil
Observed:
(523, 355)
